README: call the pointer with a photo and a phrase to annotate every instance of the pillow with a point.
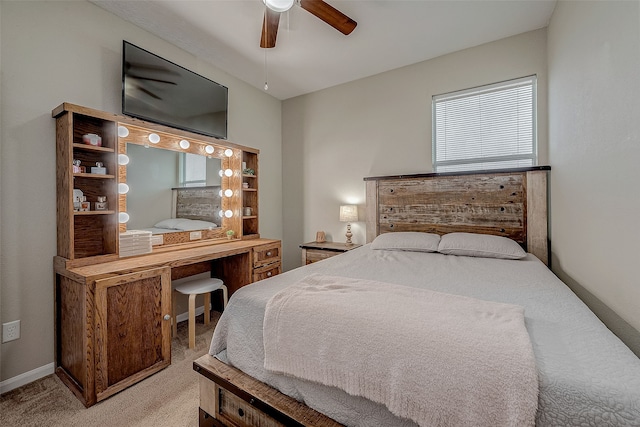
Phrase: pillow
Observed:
(407, 241)
(170, 223)
(480, 245)
(194, 224)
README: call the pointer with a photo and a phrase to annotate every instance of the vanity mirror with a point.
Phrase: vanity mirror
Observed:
(181, 189)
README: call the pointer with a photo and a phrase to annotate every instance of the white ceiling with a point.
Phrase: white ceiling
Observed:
(310, 55)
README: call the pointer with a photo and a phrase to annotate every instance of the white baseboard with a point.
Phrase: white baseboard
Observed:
(43, 371)
(27, 377)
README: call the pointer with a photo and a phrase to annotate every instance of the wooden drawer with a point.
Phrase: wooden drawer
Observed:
(267, 271)
(266, 254)
(314, 255)
(236, 412)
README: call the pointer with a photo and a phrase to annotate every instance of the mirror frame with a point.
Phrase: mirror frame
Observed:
(197, 145)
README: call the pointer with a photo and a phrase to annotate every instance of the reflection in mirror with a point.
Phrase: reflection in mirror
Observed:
(157, 177)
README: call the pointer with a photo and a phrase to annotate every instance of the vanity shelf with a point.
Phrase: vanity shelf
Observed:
(93, 176)
(85, 234)
(94, 212)
(250, 196)
(86, 147)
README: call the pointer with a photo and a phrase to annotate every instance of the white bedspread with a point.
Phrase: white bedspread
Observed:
(479, 366)
(586, 375)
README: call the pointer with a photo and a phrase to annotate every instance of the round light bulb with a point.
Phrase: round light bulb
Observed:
(154, 138)
(228, 213)
(123, 159)
(220, 193)
(209, 149)
(228, 152)
(221, 213)
(123, 217)
(123, 132)
(228, 172)
(228, 192)
(220, 172)
(184, 144)
(123, 188)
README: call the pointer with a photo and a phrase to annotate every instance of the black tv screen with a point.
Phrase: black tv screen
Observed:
(159, 91)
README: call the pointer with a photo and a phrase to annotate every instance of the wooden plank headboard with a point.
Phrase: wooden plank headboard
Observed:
(202, 203)
(510, 203)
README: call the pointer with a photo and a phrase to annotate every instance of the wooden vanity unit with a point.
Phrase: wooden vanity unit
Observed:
(113, 313)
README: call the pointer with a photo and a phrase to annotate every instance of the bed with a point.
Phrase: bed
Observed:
(585, 375)
(193, 209)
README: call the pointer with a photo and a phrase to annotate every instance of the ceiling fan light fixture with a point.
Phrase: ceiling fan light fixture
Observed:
(279, 5)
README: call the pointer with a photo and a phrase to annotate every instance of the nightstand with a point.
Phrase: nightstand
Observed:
(313, 251)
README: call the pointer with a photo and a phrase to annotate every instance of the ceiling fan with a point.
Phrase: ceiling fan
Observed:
(319, 8)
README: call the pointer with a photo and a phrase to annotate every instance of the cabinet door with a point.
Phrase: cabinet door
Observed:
(132, 328)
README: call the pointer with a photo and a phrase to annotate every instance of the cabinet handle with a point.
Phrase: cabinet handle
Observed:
(269, 253)
(167, 317)
(269, 274)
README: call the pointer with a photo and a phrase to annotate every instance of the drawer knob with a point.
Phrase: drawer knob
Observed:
(269, 274)
(167, 317)
(269, 253)
(240, 412)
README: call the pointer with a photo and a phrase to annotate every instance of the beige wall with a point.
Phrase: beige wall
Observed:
(56, 51)
(594, 148)
(381, 125)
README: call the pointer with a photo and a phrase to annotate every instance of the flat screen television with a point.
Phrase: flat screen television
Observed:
(159, 91)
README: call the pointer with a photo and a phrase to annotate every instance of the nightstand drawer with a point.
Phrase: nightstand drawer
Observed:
(266, 254)
(314, 255)
(266, 271)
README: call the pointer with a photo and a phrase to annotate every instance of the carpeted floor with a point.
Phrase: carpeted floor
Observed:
(168, 398)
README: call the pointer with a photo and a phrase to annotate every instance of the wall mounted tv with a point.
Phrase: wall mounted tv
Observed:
(157, 90)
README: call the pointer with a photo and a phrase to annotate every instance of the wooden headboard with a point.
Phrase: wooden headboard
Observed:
(202, 203)
(510, 203)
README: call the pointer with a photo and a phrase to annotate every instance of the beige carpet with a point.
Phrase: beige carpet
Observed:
(167, 398)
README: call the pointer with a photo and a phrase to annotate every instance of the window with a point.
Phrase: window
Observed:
(193, 170)
(487, 127)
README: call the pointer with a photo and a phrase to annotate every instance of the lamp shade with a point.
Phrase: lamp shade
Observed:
(279, 5)
(348, 213)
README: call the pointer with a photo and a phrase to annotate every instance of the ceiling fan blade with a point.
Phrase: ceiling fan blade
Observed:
(133, 76)
(269, 28)
(148, 67)
(330, 15)
(151, 94)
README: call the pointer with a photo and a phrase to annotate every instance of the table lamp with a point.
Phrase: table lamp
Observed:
(348, 214)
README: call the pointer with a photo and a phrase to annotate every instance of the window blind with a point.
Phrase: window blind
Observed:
(488, 127)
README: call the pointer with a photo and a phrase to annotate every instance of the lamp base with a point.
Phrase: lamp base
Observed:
(349, 235)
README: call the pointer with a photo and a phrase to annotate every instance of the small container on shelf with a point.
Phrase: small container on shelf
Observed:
(85, 205)
(99, 169)
(101, 204)
(77, 199)
(75, 167)
(92, 139)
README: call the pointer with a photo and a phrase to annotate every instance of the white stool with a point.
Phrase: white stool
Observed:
(193, 288)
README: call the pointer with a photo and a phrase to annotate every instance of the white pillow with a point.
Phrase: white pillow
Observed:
(170, 223)
(407, 241)
(480, 245)
(194, 224)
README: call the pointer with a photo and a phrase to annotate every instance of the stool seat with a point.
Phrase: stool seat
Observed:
(193, 288)
(199, 286)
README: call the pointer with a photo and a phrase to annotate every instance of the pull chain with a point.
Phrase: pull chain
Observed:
(266, 73)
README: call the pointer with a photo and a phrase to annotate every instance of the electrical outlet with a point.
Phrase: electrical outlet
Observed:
(10, 331)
